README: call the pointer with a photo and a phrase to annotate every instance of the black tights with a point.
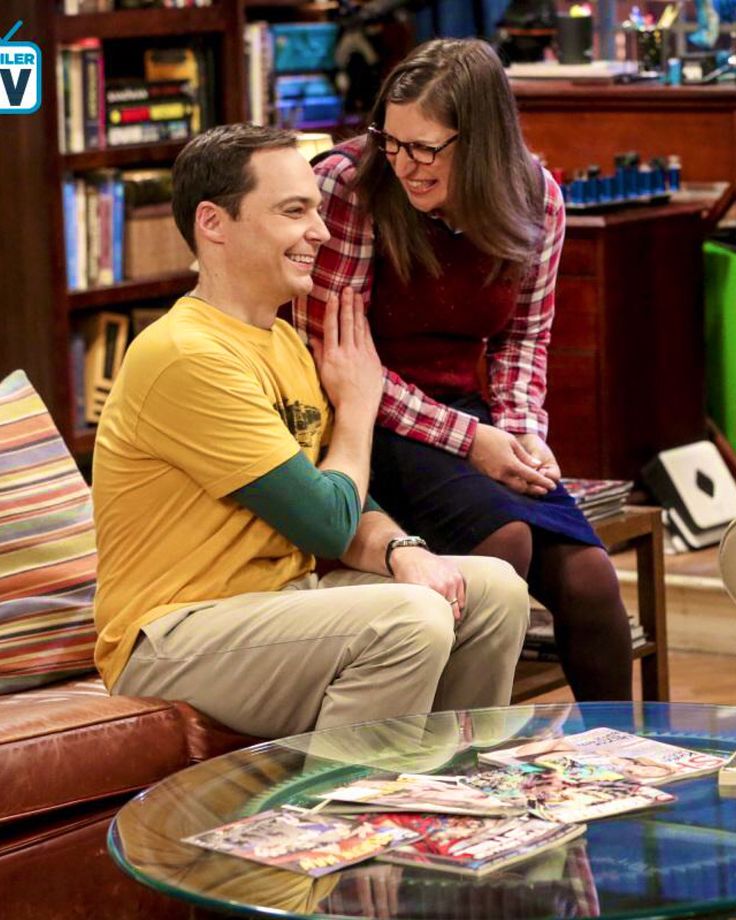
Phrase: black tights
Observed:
(578, 585)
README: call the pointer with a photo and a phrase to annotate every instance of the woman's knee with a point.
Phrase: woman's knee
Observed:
(512, 542)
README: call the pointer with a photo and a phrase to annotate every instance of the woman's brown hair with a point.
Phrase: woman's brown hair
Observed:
(495, 190)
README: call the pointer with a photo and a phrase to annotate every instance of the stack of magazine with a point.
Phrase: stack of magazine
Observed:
(599, 498)
(539, 644)
(513, 804)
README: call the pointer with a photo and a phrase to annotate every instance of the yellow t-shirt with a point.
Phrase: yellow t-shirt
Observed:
(203, 405)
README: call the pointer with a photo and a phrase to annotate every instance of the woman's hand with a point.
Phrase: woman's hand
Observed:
(503, 457)
(539, 449)
(347, 362)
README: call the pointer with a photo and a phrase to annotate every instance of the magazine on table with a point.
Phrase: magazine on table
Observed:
(304, 842)
(569, 791)
(417, 792)
(473, 845)
(637, 759)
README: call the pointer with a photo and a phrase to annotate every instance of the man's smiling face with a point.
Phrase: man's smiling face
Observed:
(278, 231)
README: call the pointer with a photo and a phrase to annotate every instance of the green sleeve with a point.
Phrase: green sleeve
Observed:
(318, 511)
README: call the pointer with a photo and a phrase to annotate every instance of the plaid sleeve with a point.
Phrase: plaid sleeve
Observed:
(517, 360)
(347, 258)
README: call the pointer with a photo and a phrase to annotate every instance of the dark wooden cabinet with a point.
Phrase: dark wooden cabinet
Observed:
(626, 363)
(574, 125)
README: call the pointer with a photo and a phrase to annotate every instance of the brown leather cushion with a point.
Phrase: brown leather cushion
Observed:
(67, 873)
(73, 742)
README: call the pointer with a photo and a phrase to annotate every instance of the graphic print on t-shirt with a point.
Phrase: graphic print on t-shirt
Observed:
(303, 422)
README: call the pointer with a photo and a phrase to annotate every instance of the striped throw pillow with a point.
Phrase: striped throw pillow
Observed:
(47, 547)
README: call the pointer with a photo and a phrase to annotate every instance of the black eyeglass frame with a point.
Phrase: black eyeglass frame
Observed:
(380, 137)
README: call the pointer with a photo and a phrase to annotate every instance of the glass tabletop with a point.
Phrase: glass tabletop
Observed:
(674, 860)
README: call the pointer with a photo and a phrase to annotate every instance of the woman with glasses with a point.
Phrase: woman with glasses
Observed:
(451, 232)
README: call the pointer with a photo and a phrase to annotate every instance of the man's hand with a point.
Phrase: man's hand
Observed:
(539, 449)
(503, 457)
(414, 565)
(346, 358)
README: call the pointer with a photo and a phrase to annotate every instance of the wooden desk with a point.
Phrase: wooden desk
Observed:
(626, 375)
(641, 528)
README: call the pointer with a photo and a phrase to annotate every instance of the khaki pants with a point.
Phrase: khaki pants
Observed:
(352, 647)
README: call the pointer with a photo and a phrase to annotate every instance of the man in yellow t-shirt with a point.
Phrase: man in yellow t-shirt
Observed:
(221, 471)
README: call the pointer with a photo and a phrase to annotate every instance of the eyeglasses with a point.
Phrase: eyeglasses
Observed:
(420, 153)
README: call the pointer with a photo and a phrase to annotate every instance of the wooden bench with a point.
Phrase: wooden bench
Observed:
(640, 528)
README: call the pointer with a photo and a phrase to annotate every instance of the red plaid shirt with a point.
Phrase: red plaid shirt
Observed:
(516, 360)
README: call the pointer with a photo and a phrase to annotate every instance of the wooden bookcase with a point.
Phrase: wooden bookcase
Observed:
(36, 309)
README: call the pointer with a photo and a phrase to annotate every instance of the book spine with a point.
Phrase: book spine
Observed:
(118, 227)
(60, 103)
(159, 90)
(149, 132)
(93, 232)
(166, 110)
(92, 95)
(80, 200)
(76, 101)
(69, 205)
(76, 358)
(105, 208)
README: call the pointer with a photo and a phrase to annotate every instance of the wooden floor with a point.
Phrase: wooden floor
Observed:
(694, 678)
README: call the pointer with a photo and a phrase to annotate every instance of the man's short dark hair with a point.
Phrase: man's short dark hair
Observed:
(214, 166)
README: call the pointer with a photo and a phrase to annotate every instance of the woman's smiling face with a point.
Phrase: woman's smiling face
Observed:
(426, 186)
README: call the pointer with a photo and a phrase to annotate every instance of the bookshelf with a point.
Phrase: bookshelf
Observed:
(38, 312)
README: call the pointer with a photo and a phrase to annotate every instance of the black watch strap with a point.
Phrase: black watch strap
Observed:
(398, 542)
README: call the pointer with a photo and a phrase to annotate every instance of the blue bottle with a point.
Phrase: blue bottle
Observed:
(674, 168)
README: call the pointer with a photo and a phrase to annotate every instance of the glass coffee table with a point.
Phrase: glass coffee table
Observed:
(678, 860)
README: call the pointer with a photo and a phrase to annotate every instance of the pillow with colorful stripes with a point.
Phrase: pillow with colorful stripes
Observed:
(47, 547)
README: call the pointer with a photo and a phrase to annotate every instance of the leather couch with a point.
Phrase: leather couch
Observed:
(70, 755)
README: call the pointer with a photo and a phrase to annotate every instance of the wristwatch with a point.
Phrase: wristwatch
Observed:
(397, 542)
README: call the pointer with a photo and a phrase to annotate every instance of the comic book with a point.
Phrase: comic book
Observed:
(473, 845)
(417, 792)
(637, 759)
(569, 792)
(303, 842)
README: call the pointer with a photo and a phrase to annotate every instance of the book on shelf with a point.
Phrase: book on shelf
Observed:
(80, 7)
(635, 757)
(310, 844)
(301, 100)
(195, 65)
(539, 642)
(259, 64)
(80, 93)
(161, 4)
(170, 109)
(599, 498)
(93, 228)
(105, 338)
(473, 845)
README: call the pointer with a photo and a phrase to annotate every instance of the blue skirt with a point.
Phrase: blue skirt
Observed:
(444, 499)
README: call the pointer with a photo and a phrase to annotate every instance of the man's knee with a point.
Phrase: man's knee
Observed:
(419, 617)
(498, 588)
